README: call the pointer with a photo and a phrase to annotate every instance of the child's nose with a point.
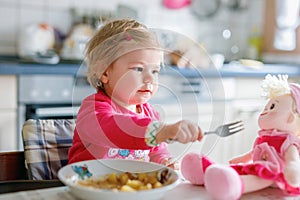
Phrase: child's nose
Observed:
(148, 78)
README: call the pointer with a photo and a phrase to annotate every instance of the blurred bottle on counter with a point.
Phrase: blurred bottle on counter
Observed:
(254, 49)
(85, 22)
(81, 30)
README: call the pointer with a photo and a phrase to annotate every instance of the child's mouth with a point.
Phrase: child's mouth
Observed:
(145, 91)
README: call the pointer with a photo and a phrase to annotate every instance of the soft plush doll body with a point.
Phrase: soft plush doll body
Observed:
(274, 159)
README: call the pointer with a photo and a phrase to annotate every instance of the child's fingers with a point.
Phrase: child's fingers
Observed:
(175, 166)
(171, 163)
(200, 134)
(191, 132)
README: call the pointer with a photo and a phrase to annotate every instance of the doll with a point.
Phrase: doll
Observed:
(274, 159)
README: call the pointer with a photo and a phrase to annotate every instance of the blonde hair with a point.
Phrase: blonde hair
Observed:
(274, 86)
(113, 40)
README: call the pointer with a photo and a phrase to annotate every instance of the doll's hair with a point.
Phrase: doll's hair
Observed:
(295, 92)
(113, 40)
(273, 86)
(276, 86)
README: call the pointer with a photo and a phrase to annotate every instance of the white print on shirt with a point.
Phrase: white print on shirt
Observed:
(130, 157)
(128, 154)
(139, 153)
(112, 152)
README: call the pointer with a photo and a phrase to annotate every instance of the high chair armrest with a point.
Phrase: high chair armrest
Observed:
(23, 185)
(12, 165)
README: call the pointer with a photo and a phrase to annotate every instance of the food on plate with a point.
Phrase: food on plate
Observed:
(129, 182)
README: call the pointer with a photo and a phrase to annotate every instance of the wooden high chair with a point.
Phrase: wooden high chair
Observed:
(46, 144)
(12, 166)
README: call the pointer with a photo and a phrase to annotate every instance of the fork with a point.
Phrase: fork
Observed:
(222, 130)
(227, 129)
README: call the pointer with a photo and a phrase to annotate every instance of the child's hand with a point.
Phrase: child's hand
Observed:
(169, 162)
(182, 131)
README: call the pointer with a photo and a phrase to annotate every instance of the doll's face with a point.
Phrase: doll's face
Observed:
(278, 114)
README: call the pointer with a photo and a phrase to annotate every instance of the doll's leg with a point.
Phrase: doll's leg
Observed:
(253, 183)
(193, 166)
(223, 182)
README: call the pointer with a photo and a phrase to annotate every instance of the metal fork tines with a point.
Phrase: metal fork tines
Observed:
(227, 129)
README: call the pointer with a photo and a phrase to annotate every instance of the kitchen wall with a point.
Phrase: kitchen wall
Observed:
(16, 15)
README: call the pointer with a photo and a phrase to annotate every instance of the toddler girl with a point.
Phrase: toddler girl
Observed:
(124, 59)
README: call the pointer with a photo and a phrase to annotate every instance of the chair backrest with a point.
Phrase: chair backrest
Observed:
(46, 145)
(12, 166)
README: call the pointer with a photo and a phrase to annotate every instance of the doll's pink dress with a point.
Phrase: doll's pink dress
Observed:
(268, 158)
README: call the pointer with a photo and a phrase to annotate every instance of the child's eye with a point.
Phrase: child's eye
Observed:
(138, 69)
(272, 106)
(156, 69)
(155, 72)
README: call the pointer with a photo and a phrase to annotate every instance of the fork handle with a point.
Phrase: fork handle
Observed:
(174, 140)
(209, 132)
(170, 141)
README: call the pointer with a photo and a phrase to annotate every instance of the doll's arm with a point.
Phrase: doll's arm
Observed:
(291, 171)
(245, 158)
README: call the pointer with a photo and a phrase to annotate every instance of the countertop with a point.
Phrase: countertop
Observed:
(182, 191)
(13, 67)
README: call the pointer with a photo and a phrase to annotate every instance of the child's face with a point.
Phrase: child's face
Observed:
(133, 78)
(278, 114)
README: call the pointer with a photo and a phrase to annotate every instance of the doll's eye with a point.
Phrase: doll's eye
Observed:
(272, 106)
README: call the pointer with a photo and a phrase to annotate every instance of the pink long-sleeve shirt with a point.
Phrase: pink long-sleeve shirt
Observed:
(106, 130)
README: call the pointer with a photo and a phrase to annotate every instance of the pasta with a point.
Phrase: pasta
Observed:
(129, 182)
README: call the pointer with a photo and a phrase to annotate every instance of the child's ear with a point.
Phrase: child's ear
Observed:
(104, 77)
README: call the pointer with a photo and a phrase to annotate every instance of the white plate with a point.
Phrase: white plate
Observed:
(107, 166)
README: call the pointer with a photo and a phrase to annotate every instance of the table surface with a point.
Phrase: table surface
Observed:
(183, 191)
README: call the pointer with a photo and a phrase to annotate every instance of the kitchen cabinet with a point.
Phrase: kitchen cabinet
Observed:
(8, 112)
(208, 115)
(246, 106)
(194, 103)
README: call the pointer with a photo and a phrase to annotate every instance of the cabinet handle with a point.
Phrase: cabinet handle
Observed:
(248, 111)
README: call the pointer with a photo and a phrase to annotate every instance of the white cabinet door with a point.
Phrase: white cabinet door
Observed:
(208, 115)
(248, 88)
(8, 113)
(8, 92)
(242, 142)
(8, 136)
